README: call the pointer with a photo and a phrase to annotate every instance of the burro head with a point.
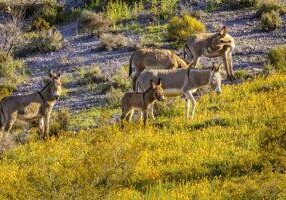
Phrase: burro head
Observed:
(56, 85)
(220, 39)
(157, 89)
(215, 78)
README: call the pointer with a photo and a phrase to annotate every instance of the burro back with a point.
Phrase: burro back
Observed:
(36, 105)
(147, 59)
(182, 82)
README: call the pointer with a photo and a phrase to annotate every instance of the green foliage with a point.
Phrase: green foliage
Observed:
(121, 80)
(60, 121)
(181, 28)
(270, 21)
(113, 97)
(49, 11)
(93, 79)
(164, 8)
(12, 73)
(240, 4)
(117, 11)
(267, 6)
(39, 24)
(241, 74)
(44, 41)
(112, 42)
(94, 23)
(277, 58)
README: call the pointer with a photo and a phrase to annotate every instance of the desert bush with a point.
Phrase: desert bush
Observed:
(181, 28)
(60, 121)
(117, 11)
(40, 42)
(94, 23)
(113, 97)
(267, 6)
(39, 24)
(121, 80)
(277, 58)
(270, 21)
(115, 41)
(49, 11)
(239, 4)
(164, 8)
(93, 79)
(12, 73)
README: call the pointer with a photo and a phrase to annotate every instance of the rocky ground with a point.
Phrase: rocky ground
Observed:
(80, 51)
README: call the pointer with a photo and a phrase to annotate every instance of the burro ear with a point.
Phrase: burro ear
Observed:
(159, 82)
(152, 84)
(223, 31)
(213, 66)
(51, 74)
(216, 67)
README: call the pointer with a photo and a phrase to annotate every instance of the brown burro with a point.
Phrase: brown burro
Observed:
(212, 45)
(144, 59)
(141, 101)
(36, 105)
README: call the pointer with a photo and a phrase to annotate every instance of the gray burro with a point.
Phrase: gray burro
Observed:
(181, 82)
(37, 105)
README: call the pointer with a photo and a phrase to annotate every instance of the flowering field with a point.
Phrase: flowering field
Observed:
(233, 149)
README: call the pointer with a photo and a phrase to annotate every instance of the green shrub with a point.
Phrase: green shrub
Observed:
(39, 24)
(181, 28)
(93, 80)
(168, 8)
(120, 79)
(112, 42)
(49, 11)
(277, 58)
(60, 121)
(94, 23)
(113, 97)
(239, 4)
(117, 11)
(40, 42)
(270, 21)
(12, 73)
(267, 6)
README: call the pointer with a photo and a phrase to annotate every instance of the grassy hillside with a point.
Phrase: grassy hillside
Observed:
(233, 149)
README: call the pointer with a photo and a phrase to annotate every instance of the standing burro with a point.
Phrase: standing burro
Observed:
(37, 105)
(212, 45)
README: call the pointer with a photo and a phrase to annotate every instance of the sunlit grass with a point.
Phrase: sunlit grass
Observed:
(226, 152)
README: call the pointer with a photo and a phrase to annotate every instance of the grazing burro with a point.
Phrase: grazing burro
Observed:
(143, 59)
(31, 106)
(212, 45)
(181, 82)
(141, 101)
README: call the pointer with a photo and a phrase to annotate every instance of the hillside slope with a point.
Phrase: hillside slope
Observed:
(233, 149)
(81, 51)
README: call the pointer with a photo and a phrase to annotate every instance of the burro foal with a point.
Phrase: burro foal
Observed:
(141, 101)
(182, 82)
(31, 106)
